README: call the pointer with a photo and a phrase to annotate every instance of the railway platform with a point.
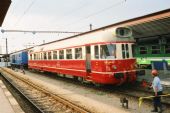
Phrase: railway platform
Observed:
(8, 104)
(163, 75)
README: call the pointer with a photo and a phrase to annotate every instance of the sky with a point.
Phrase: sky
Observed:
(67, 15)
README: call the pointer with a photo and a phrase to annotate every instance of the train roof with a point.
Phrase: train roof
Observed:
(4, 5)
(21, 50)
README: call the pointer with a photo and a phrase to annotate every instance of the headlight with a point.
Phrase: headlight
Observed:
(114, 67)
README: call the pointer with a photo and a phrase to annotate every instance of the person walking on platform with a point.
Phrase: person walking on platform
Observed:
(22, 68)
(157, 88)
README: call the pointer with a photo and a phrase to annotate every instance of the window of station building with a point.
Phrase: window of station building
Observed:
(143, 50)
(54, 54)
(167, 49)
(96, 52)
(49, 55)
(69, 53)
(45, 55)
(78, 53)
(61, 54)
(155, 49)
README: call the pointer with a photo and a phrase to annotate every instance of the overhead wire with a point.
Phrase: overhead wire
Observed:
(96, 13)
(27, 9)
(71, 12)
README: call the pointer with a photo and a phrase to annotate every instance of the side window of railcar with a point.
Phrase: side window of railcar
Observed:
(14, 58)
(34, 56)
(143, 50)
(41, 56)
(37, 56)
(61, 54)
(96, 52)
(49, 55)
(155, 49)
(54, 54)
(108, 51)
(45, 55)
(69, 53)
(78, 53)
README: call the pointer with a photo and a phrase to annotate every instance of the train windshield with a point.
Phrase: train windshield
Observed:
(108, 51)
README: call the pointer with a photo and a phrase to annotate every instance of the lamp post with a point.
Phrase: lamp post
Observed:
(6, 40)
(6, 54)
(6, 46)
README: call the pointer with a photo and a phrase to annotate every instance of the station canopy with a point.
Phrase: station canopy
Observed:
(4, 5)
(153, 25)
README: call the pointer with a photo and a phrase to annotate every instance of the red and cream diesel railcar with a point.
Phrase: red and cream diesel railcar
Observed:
(102, 56)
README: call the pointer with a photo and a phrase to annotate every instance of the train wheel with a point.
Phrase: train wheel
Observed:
(75, 78)
(81, 79)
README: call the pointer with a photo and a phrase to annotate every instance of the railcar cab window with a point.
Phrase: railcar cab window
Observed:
(49, 55)
(78, 53)
(143, 50)
(155, 49)
(69, 53)
(96, 51)
(54, 54)
(125, 51)
(108, 51)
(61, 54)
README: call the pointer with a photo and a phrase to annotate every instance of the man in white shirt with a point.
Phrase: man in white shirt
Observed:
(157, 88)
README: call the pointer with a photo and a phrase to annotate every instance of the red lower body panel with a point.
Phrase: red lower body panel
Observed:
(101, 71)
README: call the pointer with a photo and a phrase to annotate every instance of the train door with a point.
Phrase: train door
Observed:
(88, 59)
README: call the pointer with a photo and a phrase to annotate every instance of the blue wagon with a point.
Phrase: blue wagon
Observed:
(19, 58)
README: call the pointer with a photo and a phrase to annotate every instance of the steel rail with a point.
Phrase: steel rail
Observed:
(37, 109)
(67, 103)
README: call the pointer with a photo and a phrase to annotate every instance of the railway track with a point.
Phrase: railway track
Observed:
(127, 90)
(41, 99)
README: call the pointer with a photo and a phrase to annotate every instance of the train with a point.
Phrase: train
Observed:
(102, 56)
(153, 49)
(19, 58)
